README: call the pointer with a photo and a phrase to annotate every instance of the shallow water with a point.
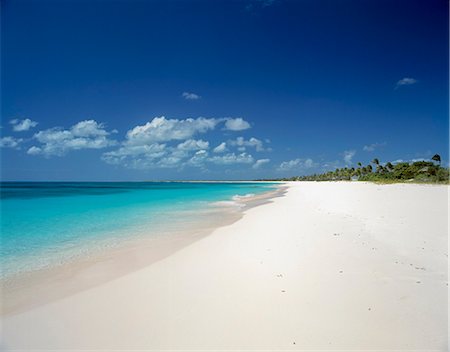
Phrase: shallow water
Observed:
(44, 224)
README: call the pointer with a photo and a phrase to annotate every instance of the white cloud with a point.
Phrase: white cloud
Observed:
(186, 148)
(348, 156)
(136, 156)
(407, 81)
(10, 142)
(146, 146)
(169, 162)
(192, 144)
(373, 146)
(221, 148)
(22, 125)
(87, 134)
(308, 163)
(88, 128)
(190, 96)
(164, 143)
(241, 143)
(237, 124)
(260, 162)
(34, 150)
(161, 129)
(198, 159)
(232, 158)
(288, 165)
(296, 164)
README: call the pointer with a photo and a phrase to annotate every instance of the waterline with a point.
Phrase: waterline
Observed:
(92, 261)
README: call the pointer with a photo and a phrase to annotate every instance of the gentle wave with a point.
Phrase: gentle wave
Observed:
(245, 196)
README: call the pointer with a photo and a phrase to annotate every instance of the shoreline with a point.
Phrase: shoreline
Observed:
(28, 290)
(328, 266)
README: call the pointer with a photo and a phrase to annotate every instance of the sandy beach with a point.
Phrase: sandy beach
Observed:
(328, 266)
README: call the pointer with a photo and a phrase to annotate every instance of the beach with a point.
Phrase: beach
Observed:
(327, 266)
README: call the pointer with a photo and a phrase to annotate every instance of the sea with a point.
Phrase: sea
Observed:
(46, 224)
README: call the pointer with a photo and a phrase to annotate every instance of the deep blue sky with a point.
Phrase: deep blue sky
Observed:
(317, 81)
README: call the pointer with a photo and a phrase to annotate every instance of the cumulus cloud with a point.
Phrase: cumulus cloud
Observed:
(34, 150)
(87, 134)
(221, 148)
(348, 156)
(296, 164)
(147, 146)
(260, 162)
(10, 142)
(172, 143)
(22, 125)
(232, 158)
(198, 159)
(241, 143)
(373, 146)
(407, 81)
(237, 124)
(186, 148)
(161, 129)
(170, 161)
(167, 143)
(136, 156)
(159, 143)
(190, 96)
(192, 144)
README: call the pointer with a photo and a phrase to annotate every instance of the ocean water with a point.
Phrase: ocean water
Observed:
(44, 224)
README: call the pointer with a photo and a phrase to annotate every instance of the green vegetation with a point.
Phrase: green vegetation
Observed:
(419, 172)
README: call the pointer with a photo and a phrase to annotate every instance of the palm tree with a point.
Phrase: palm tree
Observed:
(359, 164)
(369, 168)
(377, 164)
(389, 166)
(437, 157)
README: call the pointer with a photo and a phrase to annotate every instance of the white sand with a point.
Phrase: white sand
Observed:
(329, 266)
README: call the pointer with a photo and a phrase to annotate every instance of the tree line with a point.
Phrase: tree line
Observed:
(418, 171)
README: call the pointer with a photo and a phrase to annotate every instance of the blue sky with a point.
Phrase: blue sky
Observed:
(148, 90)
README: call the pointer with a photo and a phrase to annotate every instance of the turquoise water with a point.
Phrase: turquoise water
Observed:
(48, 223)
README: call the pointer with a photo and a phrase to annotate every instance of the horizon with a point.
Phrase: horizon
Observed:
(275, 179)
(219, 91)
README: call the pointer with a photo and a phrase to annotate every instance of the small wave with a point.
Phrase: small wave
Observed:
(237, 197)
(226, 203)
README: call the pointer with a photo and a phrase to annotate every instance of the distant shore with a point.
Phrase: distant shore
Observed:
(328, 266)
